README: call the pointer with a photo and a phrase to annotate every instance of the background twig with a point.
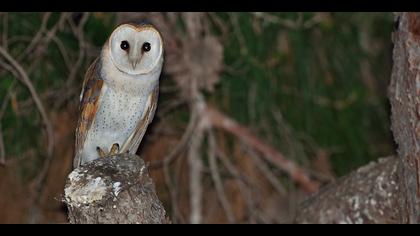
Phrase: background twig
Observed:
(23, 77)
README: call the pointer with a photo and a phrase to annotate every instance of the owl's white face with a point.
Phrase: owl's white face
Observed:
(136, 49)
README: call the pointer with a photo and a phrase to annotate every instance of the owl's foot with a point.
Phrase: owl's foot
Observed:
(101, 152)
(114, 150)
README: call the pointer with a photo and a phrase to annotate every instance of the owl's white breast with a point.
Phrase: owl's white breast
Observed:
(122, 104)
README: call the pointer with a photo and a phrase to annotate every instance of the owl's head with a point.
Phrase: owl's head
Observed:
(136, 48)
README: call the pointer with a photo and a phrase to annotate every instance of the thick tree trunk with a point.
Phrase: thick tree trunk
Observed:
(113, 190)
(405, 101)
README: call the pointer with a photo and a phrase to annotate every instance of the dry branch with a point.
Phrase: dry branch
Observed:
(23, 77)
(215, 175)
(36, 38)
(266, 171)
(273, 156)
(114, 189)
(245, 184)
(27, 82)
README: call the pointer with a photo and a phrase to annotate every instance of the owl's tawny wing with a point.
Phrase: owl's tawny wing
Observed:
(89, 101)
(134, 140)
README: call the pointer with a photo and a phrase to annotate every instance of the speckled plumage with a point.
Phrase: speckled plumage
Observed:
(116, 105)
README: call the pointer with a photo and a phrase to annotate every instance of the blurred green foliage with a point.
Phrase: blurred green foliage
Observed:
(303, 87)
(329, 82)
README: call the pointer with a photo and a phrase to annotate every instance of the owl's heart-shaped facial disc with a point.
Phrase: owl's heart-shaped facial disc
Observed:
(136, 49)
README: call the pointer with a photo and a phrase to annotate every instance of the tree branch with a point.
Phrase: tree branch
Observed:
(27, 82)
(273, 156)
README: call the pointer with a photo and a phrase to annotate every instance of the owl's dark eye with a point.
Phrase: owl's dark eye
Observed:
(146, 47)
(124, 45)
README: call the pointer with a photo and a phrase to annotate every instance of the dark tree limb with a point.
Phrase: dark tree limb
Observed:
(115, 189)
(367, 195)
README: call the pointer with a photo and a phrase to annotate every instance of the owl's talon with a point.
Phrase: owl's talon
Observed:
(101, 153)
(114, 149)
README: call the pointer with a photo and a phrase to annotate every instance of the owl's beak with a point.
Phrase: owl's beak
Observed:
(134, 64)
(135, 59)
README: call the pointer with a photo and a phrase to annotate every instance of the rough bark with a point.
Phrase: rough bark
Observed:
(405, 102)
(367, 195)
(113, 190)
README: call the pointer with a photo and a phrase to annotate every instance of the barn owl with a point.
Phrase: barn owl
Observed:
(119, 94)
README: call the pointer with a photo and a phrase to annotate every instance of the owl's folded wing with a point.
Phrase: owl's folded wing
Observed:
(90, 95)
(134, 140)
